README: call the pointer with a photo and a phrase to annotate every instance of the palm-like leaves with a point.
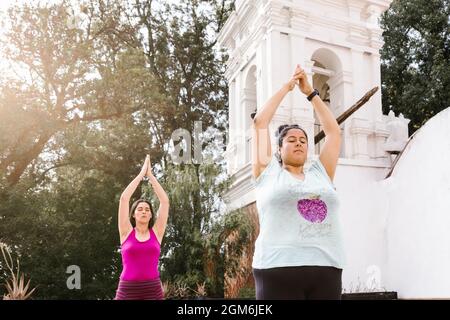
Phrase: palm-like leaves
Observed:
(16, 287)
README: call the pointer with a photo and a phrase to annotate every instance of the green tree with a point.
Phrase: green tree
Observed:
(71, 139)
(178, 40)
(416, 58)
(66, 75)
(73, 134)
(70, 217)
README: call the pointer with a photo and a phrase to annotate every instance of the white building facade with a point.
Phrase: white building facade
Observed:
(337, 42)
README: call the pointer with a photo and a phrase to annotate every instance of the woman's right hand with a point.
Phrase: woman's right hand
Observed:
(294, 80)
(145, 166)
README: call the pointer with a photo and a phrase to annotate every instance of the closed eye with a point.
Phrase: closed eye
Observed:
(293, 141)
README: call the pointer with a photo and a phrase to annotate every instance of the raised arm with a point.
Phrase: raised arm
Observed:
(261, 146)
(123, 218)
(163, 211)
(331, 148)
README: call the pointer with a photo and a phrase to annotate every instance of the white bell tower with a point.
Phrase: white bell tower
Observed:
(338, 43)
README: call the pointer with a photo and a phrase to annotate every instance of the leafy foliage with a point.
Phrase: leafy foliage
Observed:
(415, 59)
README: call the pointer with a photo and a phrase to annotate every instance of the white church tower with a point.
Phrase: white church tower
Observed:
(338, 44)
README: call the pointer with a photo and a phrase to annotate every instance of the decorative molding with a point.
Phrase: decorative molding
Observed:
(308, 65)
(273, 14)
(322, 71)
(236, 61)
(300, 20)
(254, 22)
(376, 39)
(229, 28)
(320, 38)
(339, 78)
(364, 131)
(357, 4)
(257, 21)
(360, 126)
(241, 184)
(380, 129)
(248, 93)
(378, 163)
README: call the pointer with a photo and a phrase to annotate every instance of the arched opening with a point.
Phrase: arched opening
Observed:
(320, 79)
(249, 100)
(326, 69)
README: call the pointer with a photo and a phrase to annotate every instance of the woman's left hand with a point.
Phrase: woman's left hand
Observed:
(149, 172)
(303, 83)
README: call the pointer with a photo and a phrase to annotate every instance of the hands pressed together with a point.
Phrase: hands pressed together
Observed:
(146, 170)
(300, 78)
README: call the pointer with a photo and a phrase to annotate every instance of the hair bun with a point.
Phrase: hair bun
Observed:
(280, 128)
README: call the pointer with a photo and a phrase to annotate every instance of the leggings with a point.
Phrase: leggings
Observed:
(140, 290)
(298, 283)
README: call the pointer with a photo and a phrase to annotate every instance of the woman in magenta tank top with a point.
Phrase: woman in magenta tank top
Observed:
(141, 232)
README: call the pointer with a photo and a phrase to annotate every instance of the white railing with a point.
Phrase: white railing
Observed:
(317, 129)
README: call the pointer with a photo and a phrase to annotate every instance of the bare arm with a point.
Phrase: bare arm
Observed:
(329, 154)
(163, 210)
(261, 146)
(123, 218)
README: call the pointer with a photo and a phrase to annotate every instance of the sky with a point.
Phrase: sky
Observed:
(4, 4)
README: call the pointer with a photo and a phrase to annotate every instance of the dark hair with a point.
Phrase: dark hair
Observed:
(283, 130)
(133, 208)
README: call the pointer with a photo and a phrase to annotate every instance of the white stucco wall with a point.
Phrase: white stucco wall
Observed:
(363, 216)
(418, 224)
(268, 38)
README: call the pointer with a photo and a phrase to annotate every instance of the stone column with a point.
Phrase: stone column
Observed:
(248, 103)
(375, 100)
(304, 115)
(231, 145)
(360, 130)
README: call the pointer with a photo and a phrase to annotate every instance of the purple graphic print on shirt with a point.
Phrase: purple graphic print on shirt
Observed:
(313, 209)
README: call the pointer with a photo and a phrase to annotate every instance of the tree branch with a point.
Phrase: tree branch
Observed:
(29, 156)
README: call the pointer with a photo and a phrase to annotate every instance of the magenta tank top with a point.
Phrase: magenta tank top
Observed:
(140, 259)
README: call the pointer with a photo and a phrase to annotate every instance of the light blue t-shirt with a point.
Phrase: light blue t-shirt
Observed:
(299, 222)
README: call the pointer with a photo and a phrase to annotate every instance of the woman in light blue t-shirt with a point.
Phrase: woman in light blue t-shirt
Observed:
(298, 253)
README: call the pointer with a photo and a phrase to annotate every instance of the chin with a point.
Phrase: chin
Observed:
(295, 162)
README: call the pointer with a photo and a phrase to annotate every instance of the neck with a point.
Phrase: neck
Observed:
(298, 170)
(141, 228)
